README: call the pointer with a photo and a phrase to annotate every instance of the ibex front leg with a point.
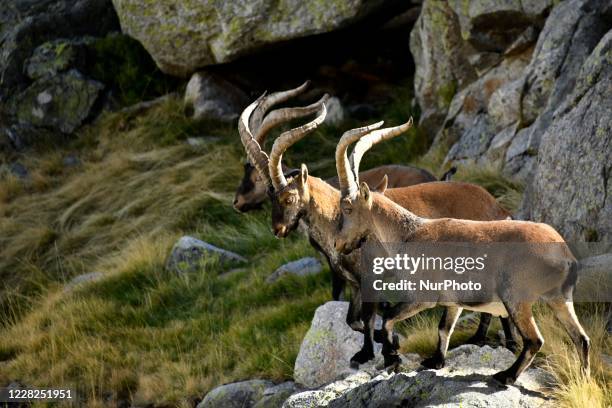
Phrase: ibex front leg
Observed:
(396, 313)
(368, 316)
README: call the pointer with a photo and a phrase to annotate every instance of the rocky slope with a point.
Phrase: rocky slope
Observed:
(323, 377)
(511, 85)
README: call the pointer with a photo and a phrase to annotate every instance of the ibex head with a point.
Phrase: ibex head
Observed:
(289, 203)
(251, 193)
(356, 199)
(290, 195)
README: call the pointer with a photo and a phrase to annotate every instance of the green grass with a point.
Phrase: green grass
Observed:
(148, 335)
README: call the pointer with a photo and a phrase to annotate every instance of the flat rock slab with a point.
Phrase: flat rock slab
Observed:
(243, 394)
(301, 267)
(464, 382)
(189, 254)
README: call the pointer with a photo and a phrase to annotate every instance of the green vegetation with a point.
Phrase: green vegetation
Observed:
(151, 336)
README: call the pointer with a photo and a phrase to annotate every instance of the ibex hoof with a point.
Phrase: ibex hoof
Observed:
(477, 340)
(504, 378)
(392, 362)
(433, 362)
(361, 357)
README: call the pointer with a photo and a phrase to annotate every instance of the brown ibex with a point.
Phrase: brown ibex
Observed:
(251, 193)
(314, 202)
(368, 216)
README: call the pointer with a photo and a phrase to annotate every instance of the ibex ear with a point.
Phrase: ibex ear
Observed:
(303, 174)
(382, 185)
(364, 191)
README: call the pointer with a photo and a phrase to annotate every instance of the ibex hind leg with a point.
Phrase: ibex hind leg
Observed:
(480, 337)
(522, 317)
(509, 333)
(565, 313)
(445, 330)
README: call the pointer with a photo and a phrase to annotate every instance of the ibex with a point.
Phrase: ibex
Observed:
(368, 216)
(315, 203)
(252, 191)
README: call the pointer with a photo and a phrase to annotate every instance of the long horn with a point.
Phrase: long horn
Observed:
(279, 116)
(255, 154)
(346, 179)
(366, 142)
(287, 139)
(270, 100)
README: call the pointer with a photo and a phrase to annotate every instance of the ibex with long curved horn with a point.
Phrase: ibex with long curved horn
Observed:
(374, 217)
(310, 200)
(252, 191)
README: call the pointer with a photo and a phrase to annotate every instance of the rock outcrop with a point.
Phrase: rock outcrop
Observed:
(24, 25)
(43, 90)
(492, 94)
(501, 85)
(59, 102)
(185, 36)
(465, 381)
(571, 186)
(327, 347)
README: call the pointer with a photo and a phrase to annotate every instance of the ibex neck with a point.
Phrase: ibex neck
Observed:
(391, 222)
(322, 211)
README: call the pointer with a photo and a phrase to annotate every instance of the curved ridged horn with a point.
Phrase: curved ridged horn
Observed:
(255, 154)
(287, 139)
(278, 116)
(367, 141)
(270, 100)
(346, 180)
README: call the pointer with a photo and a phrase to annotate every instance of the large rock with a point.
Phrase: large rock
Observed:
(442, 62)
(463, 382)
(209, 96)
(38, 46)
(327, 347)
(24, 25)
(482, 109)
(570, 34)
(500, 117)
(494, 25)
(61, 102)
(185, 36)
(244, 394)
(189, 254)
(571, 186)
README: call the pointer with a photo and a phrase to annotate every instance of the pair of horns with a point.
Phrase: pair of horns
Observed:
(366, 137)
(254, 125)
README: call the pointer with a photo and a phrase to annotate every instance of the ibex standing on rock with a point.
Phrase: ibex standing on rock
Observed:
(372, 216)
(310, 200)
